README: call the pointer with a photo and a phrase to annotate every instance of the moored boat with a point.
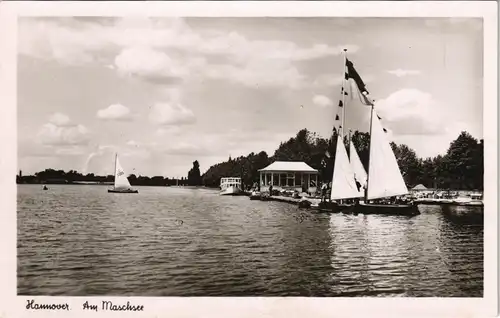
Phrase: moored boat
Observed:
(230, 186)
(467, 201)
(254, 195)
(383, 178)
(349, 175)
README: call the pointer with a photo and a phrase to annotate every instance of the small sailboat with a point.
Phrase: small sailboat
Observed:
(384, 178)
(122, 185)
(44, 187)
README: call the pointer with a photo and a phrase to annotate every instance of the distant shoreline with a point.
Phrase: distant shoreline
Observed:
(110, 184)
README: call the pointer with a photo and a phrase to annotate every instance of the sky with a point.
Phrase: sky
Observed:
(164, 92)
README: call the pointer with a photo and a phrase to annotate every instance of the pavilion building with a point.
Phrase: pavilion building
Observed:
(289, 175)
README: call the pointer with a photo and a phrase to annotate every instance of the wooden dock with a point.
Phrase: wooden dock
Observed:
(294, 201)
(283, 199)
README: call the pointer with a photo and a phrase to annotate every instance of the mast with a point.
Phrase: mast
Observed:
(369, 146)
(343, 102)
(343, 95)
(349, 143)
(116, 158)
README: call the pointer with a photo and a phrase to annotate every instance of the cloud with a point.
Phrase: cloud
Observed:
(168, 50)
(114, 112)
(260, 73)
(71, 151)
(400, 72)
(149, 64)
(322, 101)
(55, 39)
(51, 134)
(186, 149)
(411, 112)
(328, 80)
(60, 120)
(60, 131)
(169, 130)
(171, 114)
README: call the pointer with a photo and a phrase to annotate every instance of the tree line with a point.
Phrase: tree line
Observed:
(51, 176)
(461, 167)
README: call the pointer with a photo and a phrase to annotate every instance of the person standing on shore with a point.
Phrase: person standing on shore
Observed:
(323, 191)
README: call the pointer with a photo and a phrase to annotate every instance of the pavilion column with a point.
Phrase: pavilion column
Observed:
(272, 178)
(265, 179)
(260, 176)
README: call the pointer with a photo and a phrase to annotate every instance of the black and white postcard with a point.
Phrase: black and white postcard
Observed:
(248, 159)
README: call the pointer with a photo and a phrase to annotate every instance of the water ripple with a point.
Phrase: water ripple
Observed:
(80, 240)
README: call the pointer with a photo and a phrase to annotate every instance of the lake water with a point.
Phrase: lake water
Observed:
(80, 240)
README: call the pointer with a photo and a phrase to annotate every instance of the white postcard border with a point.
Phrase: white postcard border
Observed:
(12, 305)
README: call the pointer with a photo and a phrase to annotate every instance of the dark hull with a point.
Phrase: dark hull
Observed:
(122, 191)
(387, 209)
(264, 198)
(304, 204)
(332, 207)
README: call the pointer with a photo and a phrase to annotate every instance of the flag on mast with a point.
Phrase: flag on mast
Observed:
(351, 73)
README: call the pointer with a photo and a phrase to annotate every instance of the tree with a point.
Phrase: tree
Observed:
(132, 179)
(464, 162)
(408, 163)
(361, 141)
(194, 175)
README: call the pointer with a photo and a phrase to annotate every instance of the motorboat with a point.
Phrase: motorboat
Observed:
(230, 186)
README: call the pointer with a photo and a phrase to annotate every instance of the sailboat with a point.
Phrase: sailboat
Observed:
(345, 183)
(121, 185)
(384, 178)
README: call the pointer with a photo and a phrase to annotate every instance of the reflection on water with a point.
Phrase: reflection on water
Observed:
(80, 240)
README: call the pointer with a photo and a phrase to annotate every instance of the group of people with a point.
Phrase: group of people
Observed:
(326, 189)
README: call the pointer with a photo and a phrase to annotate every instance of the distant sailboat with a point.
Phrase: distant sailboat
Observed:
(122, 185)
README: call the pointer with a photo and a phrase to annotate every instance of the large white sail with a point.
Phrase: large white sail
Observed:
(384, 176)
(121, 181)
(343, 183)
(359, 171)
